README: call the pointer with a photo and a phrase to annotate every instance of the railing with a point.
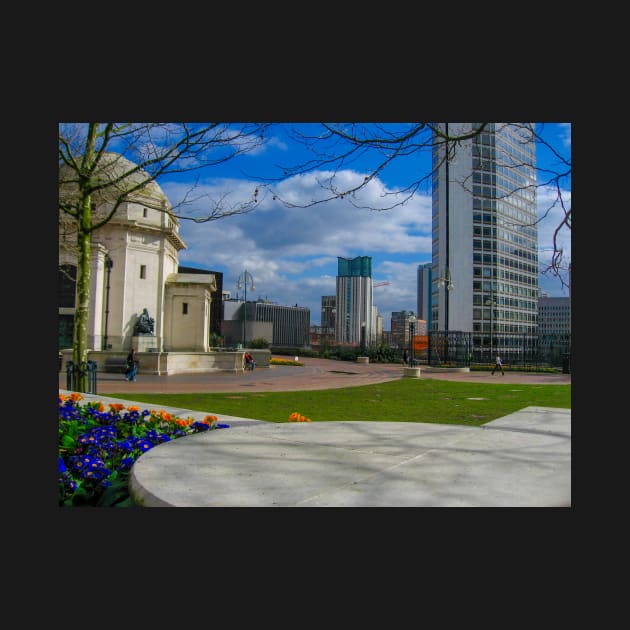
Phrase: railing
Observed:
(74, 373)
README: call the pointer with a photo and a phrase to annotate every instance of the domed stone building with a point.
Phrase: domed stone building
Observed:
(134, 263)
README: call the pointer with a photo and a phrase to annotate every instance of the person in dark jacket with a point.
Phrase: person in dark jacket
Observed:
(132, 366)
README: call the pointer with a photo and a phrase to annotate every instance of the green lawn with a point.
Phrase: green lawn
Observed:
(405, 400)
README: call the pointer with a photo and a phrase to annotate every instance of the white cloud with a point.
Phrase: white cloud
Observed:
(292, 251)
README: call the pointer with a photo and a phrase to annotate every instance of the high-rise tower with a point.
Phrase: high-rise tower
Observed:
(424, 293)
(485, 239)
(354, 300)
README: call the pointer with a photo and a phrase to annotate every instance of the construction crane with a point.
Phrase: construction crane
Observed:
(381, 284)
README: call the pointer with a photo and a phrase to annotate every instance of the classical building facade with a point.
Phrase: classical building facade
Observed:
(134, 266)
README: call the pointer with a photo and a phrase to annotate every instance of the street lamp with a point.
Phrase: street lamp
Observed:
(241, 283)
(412, 332)
(109, 263)
(446, 282)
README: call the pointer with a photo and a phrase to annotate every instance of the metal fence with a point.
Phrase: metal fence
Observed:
(462, 349)
(74, 371)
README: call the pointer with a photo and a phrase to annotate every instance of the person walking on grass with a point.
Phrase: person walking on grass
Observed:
(498, 365)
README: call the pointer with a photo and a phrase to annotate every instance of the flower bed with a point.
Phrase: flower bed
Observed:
(276, 361)
(98, 445)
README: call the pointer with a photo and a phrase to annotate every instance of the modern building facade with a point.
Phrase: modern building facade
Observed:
(485, 239)
(400, 329)
(554, 315)
(328, 315)
(279, 325)
(424, 292)
(354, 319)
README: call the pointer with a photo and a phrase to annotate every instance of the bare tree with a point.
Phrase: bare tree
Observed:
(104, 165)
(338, 146)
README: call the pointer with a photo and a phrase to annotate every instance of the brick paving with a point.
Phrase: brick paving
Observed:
(315, 374)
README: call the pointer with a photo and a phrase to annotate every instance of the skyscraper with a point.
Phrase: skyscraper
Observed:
(328, 316)
(424, 293)
(354, 300)
(485, 239)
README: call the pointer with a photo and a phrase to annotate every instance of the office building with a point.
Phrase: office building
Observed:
(554, 320)
(328, 315)
(424, 292)
(277, 324)
(485, 239)
(400, 330)
(354, 301)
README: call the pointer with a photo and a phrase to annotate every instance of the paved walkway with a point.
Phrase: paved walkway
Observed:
(520, 460)
(315, 374)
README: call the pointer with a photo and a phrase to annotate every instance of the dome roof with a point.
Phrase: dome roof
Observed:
(112, 166)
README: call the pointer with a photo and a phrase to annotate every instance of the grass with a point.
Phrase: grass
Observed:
(405, 400)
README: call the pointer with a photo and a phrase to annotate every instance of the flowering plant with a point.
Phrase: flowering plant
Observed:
(297, 417)
(98, 445)
(276, 361)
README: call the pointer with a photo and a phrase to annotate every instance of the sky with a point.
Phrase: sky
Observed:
(291, 252)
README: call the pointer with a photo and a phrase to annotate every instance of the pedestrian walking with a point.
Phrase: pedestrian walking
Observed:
(498, 365)
(132, 366)
(405, 357)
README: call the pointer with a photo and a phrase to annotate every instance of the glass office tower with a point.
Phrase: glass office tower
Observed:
(485, 238)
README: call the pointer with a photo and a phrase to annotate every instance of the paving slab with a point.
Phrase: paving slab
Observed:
(362, 464)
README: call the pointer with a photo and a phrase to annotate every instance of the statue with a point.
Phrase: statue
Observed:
(145, 324)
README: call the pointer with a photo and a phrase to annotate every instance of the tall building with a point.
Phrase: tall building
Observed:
(485, 239)
(424, 292)
(400, 330)
(329, 312)
(354, 300)
(554, 318)
(554, 328)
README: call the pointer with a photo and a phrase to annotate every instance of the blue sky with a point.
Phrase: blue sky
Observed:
(292, 252)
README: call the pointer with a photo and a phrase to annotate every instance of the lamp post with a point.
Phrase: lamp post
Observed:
(109, 263)
(446, 282)
(412, 332)
(242, 281)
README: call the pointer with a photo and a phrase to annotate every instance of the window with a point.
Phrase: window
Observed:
(144, 212)
(143, 272)
(184, 308)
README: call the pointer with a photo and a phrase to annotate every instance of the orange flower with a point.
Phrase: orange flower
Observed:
(133, 408)
(116, 406)
(76, 397)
